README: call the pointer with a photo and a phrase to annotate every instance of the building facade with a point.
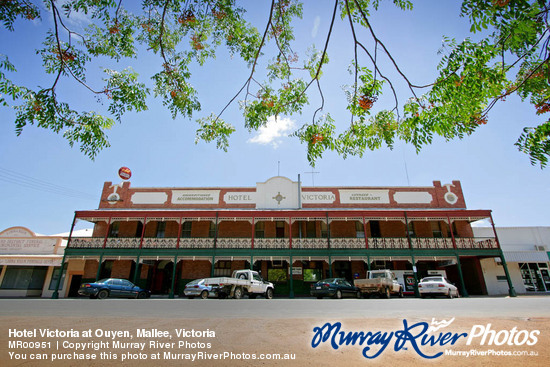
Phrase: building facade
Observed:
(526, 252)
(29, 263)
(161, 238)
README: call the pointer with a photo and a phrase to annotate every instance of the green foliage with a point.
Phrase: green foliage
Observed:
(511, 56)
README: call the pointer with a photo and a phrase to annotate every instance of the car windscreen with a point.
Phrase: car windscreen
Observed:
(377, 275)
(196, 281)
(433, 279)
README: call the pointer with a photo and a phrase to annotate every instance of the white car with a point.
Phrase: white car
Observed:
(437, 286)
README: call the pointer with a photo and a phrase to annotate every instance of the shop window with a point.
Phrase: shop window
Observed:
(161, 229)
(359, 230)
(277, 275)
(55, 277)
(313, 275)
(259, 230)
(186, 229)
(222, 268)
(18, 277)
(375, 229)
(113, 229)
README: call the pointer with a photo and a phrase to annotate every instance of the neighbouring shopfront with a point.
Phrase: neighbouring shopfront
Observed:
(30, 264)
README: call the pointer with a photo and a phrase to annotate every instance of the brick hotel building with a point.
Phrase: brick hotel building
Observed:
(161, 238)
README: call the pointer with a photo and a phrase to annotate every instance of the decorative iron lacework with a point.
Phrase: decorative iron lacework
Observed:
(159, 242)
(234, 243)
(122, 242)
(271, 243)
(347, 243)
(309, 243)
(197, 242)
(385, 243)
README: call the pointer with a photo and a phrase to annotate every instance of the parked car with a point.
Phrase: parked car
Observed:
(437, 286)
(112, 287)
(197, 288)
(334, 287)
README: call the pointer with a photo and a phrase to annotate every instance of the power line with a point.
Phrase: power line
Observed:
(20, 179)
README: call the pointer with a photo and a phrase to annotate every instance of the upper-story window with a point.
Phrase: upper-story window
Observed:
(186, 229)
(113, 229)
(259, 230)
(359, 230)
(161, 229)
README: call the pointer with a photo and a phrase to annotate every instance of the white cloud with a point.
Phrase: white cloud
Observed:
(315, 29)
(273, 132)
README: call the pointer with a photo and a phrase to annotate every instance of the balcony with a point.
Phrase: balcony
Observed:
(471, 243)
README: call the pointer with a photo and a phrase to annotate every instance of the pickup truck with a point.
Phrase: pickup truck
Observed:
(241, 282)
(381, 282)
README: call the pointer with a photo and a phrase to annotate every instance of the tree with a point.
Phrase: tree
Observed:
(511, 56)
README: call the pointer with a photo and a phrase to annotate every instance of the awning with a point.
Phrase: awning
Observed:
(525, 256)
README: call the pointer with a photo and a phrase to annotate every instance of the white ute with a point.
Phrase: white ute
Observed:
(240, 283)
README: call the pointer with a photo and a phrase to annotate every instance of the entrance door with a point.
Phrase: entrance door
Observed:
(76, 280)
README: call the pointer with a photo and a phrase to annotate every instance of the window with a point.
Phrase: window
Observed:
(18, 277)
(222, 268)
(186, 229)
(55, 277)
(359, 230)
(259, 231)
(113, 229)
(375, 228)
(212, 231)
(280, 229)
(313, 275)
(139, 229)
(310, 230)
(277, 275)
(410, 231)
(324, 230)
(436, 230)
(161, 229)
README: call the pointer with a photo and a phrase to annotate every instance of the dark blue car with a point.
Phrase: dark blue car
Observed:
(334, 287)
(112, 287)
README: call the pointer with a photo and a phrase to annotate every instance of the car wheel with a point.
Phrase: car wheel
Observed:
(269, 293)
(386, 293)
(400, 292)
(358, 294)
(103, 294)
(450, 294)
(457, 295)
(142, 295)
(204, 294)
(338, 294)
(238, 293)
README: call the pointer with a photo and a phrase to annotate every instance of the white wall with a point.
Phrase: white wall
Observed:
(496, 287)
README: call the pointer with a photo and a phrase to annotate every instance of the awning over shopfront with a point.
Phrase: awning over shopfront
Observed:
(525, 256)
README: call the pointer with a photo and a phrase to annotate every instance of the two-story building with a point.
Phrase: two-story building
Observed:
(161, 238)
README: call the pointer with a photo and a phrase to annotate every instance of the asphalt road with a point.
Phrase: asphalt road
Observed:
(521, 307)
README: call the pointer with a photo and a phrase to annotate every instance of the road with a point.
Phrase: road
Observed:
(520, 307)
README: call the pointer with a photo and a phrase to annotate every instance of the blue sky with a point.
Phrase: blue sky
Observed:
(43, 181)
